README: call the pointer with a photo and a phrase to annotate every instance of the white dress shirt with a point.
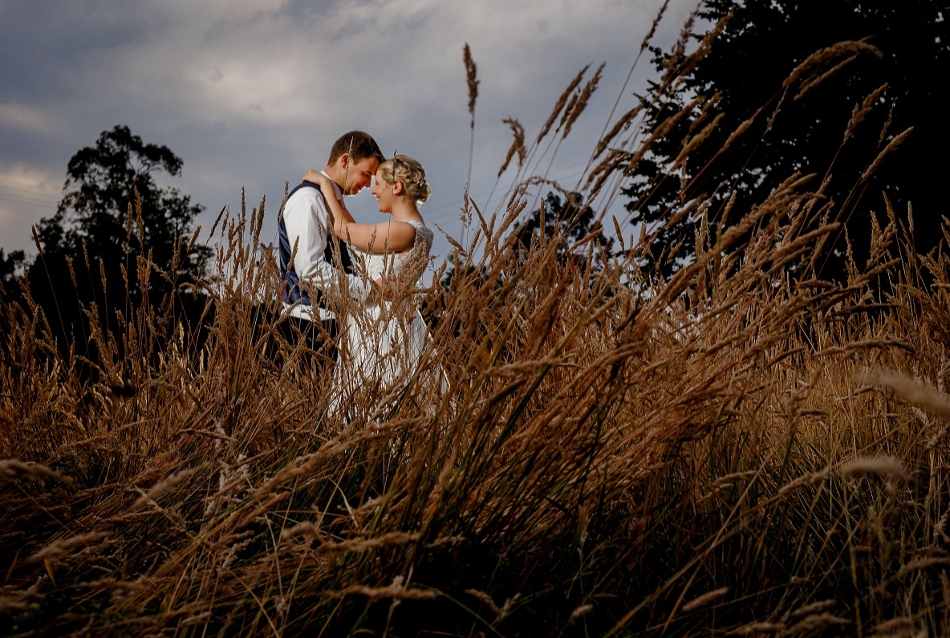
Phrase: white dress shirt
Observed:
(308, 223)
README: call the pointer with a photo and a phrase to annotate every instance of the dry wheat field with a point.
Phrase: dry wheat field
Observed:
(741, 449)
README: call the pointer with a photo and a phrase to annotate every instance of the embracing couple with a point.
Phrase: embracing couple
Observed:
(325, 258)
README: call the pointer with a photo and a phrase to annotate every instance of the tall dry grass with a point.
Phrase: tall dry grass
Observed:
(743, 449)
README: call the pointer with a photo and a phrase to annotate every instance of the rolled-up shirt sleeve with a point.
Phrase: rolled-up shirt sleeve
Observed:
(307, 221)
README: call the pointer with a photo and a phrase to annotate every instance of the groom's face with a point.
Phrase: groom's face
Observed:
(359, 175)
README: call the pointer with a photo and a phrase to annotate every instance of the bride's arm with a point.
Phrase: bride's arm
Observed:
(393, 236)
(339, 213)
(385, 237)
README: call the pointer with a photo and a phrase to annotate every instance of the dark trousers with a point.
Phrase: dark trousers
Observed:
(318, 339)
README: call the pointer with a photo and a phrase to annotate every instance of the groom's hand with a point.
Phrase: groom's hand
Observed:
(381, 290)
(376, 292)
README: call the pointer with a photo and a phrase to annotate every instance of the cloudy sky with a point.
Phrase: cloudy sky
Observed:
(250, 93)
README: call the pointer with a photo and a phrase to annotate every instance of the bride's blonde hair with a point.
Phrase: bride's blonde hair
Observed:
(401, 168)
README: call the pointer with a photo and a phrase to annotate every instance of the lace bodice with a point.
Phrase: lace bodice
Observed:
(391, 264)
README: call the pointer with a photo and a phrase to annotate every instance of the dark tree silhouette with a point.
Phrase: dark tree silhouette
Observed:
(564, 219)
(10, 264)
(761, 44)
(557, 219)
(113, 224)
(102, 182)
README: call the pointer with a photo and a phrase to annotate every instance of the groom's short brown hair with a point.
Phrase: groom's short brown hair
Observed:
(358, 144)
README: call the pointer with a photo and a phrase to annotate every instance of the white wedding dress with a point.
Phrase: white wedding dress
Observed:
(385, 341)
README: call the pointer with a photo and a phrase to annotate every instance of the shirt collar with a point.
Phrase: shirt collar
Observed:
(337, 191)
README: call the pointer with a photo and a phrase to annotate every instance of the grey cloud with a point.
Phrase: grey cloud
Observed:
(311, 9)
(42, 31)
(43, 43)
(251, 94)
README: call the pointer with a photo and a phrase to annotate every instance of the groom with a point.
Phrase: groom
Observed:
(314, 274)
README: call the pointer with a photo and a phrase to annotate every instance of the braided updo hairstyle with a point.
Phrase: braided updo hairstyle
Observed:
(401, 168)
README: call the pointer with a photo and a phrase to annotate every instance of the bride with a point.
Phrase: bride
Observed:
(386, 339)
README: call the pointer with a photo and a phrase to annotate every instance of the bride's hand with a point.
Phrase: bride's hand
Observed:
(321, 180)
(338, 212)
